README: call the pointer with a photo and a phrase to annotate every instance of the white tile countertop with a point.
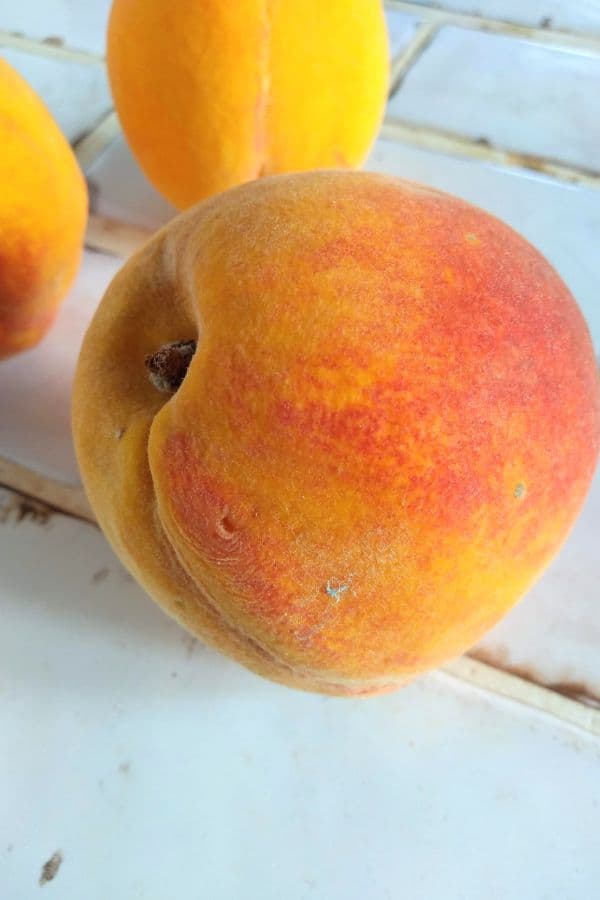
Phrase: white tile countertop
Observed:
(134, 762)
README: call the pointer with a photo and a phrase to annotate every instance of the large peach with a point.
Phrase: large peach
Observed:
(388, 425)
(214, 93)
(43, 209)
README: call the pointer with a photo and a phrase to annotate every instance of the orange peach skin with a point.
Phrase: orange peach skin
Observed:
(43, 209)
(386, 432)
(214, 93)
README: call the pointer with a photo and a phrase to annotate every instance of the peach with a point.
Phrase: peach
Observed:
(43, 209)
(368, 418)
(216, 93)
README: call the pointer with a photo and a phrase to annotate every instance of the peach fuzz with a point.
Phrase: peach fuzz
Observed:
(43, 210)
(387, 428)
(217, 93)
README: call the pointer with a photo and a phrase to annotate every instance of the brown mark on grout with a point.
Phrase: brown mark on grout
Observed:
(54, 40)
(574, 690)
(50, 868)
(544, 165)
(21, 509)
(530, 161)
(452, 143)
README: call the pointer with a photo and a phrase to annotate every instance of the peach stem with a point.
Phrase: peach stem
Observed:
(167, 367)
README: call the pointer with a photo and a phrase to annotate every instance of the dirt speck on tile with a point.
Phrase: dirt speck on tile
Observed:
(50, 868)
(190, 644)
(100, 575)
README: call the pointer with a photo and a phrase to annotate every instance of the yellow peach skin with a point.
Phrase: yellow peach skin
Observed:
(387, 428)
(43, 208)
(214, 93)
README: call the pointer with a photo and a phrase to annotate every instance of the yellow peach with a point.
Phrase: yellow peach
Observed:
(368, 418)
(43, 209)
(216, 93)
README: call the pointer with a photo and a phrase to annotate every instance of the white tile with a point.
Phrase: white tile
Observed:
(562, 221)
(514, 93)
(401, 29)
(120, 190)
(81, 26)
(77, 94)
(35, 392)
(159, 769)
(577, 15)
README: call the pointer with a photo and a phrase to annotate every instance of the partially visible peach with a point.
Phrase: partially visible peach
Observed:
(43, 209)
(214, 93)
(381, 419)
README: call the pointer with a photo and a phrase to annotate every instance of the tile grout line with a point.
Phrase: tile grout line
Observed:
(402, 64)
(51, 51)
(70, 500)
(454, 144)
(93, 144)
(561, 39)
(115, 237)
(579, 691)
(525, 692)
